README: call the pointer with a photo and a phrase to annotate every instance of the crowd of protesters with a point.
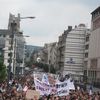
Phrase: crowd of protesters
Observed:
(74, 95)
(15, 91)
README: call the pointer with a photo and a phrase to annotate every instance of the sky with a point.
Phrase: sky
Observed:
(52, 17)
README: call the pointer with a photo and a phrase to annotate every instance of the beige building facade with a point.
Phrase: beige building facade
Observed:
(48, 54)
(93, 72)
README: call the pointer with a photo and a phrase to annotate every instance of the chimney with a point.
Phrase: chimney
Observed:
(69, 28)
(75, 26)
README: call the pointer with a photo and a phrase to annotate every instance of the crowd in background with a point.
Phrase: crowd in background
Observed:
(15, 91)
(74, 95)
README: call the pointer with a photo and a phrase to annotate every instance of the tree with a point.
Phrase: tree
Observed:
(3, 71)
(31, 60)
(46, 67)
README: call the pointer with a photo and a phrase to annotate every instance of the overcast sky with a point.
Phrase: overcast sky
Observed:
(52, 17)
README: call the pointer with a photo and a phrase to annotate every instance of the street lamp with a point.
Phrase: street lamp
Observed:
(13, 26)
(31, 17)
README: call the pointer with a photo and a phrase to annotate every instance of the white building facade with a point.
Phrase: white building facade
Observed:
(74, 51)
(93, 70)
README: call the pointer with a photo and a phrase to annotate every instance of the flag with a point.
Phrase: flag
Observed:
(70, 84)
(45, 79)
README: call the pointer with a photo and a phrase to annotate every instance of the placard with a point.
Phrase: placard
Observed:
(32, 94)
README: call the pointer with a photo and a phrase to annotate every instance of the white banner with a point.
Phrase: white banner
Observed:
(70, 84)
(59, 88)
(45, 79)
(62, 89)
(42, 87)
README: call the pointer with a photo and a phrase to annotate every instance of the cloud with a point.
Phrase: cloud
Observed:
(52, 16)
(33, 40)
(53, 21)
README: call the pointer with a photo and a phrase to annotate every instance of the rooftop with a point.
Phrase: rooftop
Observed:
(97, 9)
(5, 31)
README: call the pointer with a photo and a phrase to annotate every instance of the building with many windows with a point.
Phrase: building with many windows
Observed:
(61, 49)
(16, 52)
(74, 51)
(93, 71)
(86, 54)
(50, 51)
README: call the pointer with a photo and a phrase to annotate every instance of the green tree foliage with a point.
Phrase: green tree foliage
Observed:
(31, 61)
(3, 71)
(45, 67)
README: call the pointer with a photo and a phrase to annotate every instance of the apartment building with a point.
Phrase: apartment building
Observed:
(61, 49)
(51, 50)
(18, 43)
(94, 48)
(74, 51)
(86, 54)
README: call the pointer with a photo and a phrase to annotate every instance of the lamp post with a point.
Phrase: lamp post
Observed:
(31, 17)
(13, 26)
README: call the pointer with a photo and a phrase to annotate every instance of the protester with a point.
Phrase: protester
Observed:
(18, 88)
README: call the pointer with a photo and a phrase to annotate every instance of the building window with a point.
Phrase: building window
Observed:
(9, 48)
(86, 47)
(10, 41)
(9, 61)
(95, 74)
(10, 36)
(4, 35)
(86, 55)
(93, 63)
(85, 64)
(10, 54)
(96, 23)
(87, 38)
(85, 72)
